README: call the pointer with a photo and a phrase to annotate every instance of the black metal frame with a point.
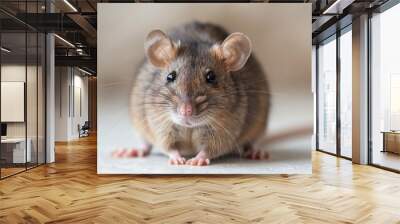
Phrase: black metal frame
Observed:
(316, 97)
(44, 78)
(338, 98)
(337, 35)
(369, 90)
(0, 90)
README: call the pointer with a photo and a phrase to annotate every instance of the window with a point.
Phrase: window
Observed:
(346, 92)
(385, 89)
(327, 95)
(334, 106)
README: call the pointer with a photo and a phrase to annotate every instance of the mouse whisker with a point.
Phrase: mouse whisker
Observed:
(160, 120)
(232, 113)
(224, 129)
(215, 140)
(243, 93)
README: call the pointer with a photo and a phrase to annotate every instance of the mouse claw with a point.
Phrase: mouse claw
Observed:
(177, 161)
(198, 162)
(131, 152)
(257, 155)
(119, 153)
(175, 158)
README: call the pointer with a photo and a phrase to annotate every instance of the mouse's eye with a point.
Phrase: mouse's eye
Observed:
(210, 77)
(171, 76)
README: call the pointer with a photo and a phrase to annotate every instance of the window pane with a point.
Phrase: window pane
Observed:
(327, 96)
(31, 87)
(346, 94)
(386, 89)
(31, 97)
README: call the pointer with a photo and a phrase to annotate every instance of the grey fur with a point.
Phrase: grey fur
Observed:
(239, 102)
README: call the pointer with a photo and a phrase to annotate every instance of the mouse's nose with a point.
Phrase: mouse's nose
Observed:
(185, 109)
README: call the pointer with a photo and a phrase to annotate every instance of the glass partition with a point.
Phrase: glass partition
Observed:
(22, 78)
(32, 95)
(14, 153)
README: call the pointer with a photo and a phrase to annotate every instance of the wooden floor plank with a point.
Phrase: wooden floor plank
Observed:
(70, 191)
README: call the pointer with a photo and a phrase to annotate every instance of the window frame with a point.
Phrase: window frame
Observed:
(336, 36)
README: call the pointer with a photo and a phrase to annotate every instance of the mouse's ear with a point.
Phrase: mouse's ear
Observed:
(160, 50)
(234, 51)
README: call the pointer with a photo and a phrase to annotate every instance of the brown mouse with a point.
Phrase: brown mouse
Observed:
(199, 94)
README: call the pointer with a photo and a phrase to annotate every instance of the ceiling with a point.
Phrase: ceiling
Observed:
(76, 21)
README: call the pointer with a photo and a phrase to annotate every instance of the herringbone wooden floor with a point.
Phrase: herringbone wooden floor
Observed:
(70, 191)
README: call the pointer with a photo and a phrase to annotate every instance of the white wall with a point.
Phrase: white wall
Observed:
(79, 117)
(62, 81)
(12, 100)
(12, 73)
(69, 82)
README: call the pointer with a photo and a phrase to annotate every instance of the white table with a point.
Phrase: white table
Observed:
(19, 155)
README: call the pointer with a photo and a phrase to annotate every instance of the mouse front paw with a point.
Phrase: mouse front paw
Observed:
(256, 154)
(201, 159)
(177, 161)
(198, 162)
(131, 152)
(175, 158)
